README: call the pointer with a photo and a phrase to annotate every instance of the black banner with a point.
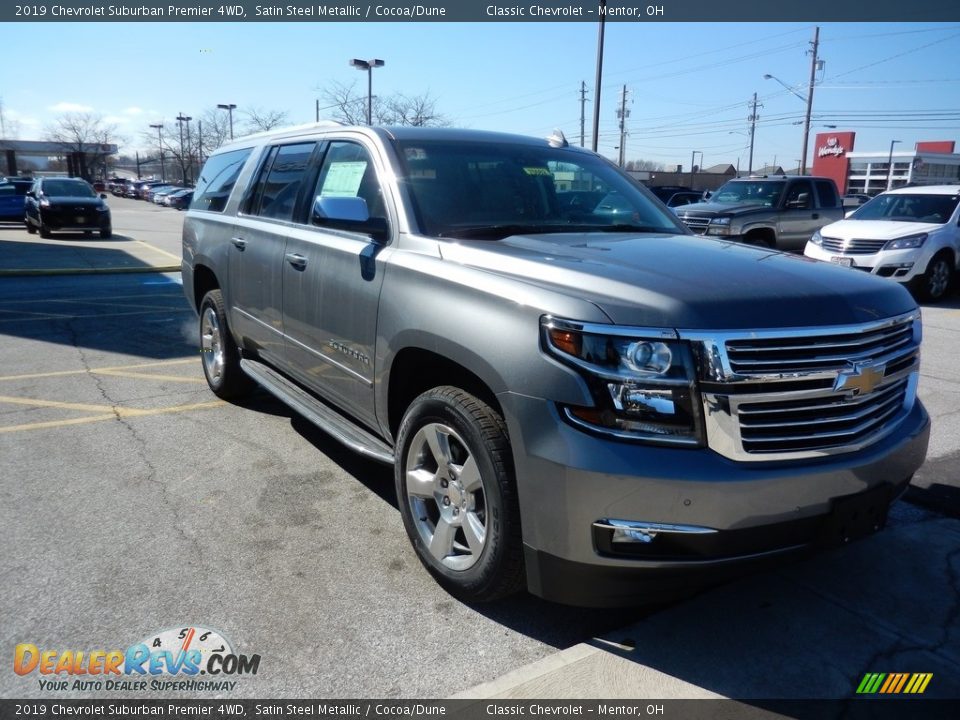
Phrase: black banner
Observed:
(479, 11)
(853, 709)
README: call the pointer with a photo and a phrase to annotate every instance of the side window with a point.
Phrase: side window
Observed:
(799, 196)
(348, 172)
(217, 179)
(828, 196)
(281, 179)
(251, 204)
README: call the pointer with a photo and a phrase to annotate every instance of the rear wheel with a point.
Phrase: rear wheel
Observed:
(935, 283)
(457, 494)
(106, 232)
(30, 227)
(44, 229)
(219, 352)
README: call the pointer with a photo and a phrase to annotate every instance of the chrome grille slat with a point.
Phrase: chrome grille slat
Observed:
(696, 223)
(857, 246)
(852, 433)
(786, 347)
(751, 410)
(748, 428)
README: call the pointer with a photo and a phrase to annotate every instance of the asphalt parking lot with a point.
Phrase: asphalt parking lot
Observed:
(134, 502)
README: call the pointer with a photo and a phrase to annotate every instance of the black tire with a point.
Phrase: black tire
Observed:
(30, 227)
(219, 353)
(44, 229)
(760, 241)
(471, 568)
(935, 283)
(106, 232)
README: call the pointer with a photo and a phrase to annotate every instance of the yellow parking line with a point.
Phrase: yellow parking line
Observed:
(33, 402)
(60, 373)
(150, 376)
(162, 252)
(119, 413)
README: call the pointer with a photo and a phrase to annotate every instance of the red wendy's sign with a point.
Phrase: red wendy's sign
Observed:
(830, 156)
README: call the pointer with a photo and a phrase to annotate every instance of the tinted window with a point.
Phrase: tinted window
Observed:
(909, 208)
(280, 180)
(217, 179)
(828, 196)
(799, 196)
(348, 172)
(67, 188)
(750, 192)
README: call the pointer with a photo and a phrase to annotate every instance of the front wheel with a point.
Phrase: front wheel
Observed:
(219, 352)
(935, 283)
(457, 494)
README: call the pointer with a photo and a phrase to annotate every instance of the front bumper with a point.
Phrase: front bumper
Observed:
(569, 480)
(900, 265)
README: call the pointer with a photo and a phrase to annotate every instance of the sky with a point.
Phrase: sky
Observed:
(689, 84)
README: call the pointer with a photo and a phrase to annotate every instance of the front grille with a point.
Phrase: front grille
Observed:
(857, 246)
(803, 354)
(792, 394)
(818, 423)
(696, 223)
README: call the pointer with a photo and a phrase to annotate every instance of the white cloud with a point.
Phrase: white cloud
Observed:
(116, 119)
(134, 111)
(70, 107)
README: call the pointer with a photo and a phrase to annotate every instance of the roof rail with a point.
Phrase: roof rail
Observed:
(291, 129)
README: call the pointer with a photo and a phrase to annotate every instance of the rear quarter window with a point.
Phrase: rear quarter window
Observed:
(827, 193)
(217, 179)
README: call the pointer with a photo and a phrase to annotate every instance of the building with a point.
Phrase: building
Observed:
(87, 160)
(928, 163)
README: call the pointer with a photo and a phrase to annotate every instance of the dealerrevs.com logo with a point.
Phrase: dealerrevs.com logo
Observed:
(166, 661)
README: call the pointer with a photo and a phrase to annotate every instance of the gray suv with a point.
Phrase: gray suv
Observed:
(597, 406)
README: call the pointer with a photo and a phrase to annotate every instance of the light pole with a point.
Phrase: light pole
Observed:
(368, 65)
(692, 156)
(596, 86)
(158, 127)
(181, 119)
(890, 164)
(229, 108)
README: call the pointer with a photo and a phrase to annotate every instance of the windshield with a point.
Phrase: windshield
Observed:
(749, 192)
(492, 190)
(67, 188)
(909, 208)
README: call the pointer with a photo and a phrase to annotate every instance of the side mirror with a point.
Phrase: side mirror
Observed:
(103, 196)
(349, 213)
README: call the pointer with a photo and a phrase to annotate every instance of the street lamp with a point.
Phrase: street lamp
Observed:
(368, 65)
(158, 127)
(692, 156)
(229, 108)
(890, 164)
(181, 119)
(808, 99)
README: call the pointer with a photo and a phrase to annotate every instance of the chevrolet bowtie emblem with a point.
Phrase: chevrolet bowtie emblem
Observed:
(860, 378)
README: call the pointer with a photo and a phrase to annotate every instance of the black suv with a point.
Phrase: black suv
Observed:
(66, 204)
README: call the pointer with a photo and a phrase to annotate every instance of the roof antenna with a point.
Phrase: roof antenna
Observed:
(558, 139)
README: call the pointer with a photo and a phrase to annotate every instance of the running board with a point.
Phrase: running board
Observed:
(330, 421)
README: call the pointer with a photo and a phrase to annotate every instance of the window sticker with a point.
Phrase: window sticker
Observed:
(415, 153)
(343, 179)
(537, 171)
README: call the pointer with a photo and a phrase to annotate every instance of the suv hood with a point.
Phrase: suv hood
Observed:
(876, 229)
(715, 208)
(60, 200)
(689, 282)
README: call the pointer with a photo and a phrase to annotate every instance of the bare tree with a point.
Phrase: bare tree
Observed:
(9, 127)
(85, 136)
(216, 130)
(259, 120)
(644, 165)
(350, 106)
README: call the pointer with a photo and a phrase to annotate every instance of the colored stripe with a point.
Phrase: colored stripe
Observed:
(914, 681)
(876, 683)
(903, 679)
(891, 679)
(926, 681)
(861, 688)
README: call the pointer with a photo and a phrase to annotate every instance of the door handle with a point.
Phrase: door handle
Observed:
(239, 242)
(297, 260)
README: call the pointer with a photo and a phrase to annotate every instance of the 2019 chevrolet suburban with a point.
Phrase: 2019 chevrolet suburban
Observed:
(600, 407)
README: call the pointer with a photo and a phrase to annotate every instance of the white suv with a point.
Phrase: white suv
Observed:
(910, 234)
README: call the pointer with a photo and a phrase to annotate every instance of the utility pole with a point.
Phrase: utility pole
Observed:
(318, 109)
(623, 114)
(596, 86)
(583, 105)
(200, 143)
(813, 79)
(753, 128)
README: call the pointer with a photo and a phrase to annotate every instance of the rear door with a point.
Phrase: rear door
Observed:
(800, 217)
(331, 283)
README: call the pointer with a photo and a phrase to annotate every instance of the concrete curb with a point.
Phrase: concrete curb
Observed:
(33, 272)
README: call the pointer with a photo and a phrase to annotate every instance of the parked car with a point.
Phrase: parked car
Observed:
(601, 412)
(60, 203)
(181, 200)
(777, 211)
(161, 193)
(150, 192)
(665, 192)
(910, 235)
(687, 197)
(855, 200)
(13, 192)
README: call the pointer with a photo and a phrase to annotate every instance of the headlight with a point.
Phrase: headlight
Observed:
(905, 243)
(44, 202)
(642, 381)
(817, 238)
(103, 208)
(719, 226)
